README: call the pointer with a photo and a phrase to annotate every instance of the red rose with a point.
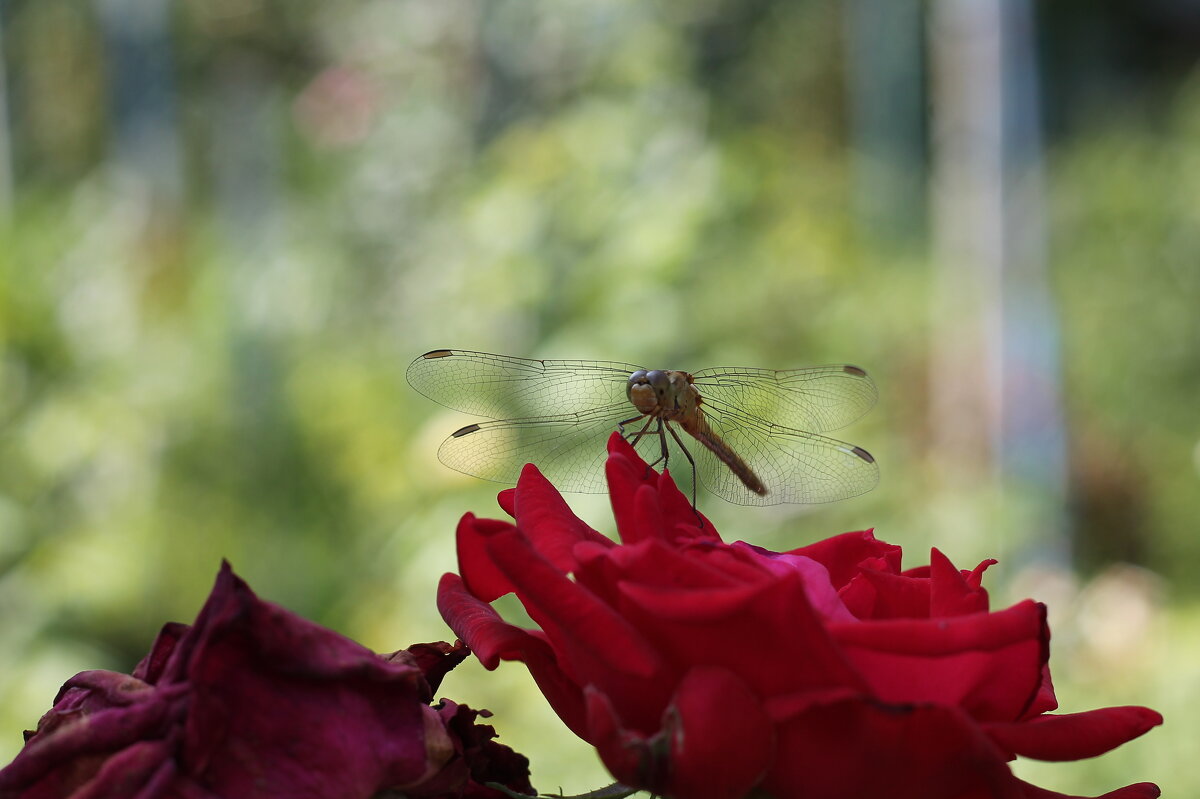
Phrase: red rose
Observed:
(254, 702)
(706, 670)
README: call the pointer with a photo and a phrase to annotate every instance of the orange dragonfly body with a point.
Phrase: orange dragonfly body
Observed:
(759, 429)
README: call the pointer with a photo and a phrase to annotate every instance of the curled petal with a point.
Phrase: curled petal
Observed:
(1140, 790)
(988, 664)
(1074, 736)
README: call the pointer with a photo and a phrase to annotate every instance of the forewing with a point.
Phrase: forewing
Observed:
(501, 387)
(816, 399)
(568, 449)
(794, 465)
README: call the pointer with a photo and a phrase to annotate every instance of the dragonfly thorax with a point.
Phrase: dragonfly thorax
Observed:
(667, 394)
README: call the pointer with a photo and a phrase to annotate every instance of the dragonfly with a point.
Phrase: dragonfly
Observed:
(755, 434)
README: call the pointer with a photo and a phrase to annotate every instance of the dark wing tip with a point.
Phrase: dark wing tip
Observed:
(859, 451)
(857, 371)
(463, 431)
(437, 353)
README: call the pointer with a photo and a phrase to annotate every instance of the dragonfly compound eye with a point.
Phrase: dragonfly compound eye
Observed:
(658, 380)
(638, 378)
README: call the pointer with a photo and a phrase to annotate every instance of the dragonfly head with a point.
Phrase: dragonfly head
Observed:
(648, 390)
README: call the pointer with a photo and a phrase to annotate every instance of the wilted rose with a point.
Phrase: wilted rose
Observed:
(254, 702)
(706, 670)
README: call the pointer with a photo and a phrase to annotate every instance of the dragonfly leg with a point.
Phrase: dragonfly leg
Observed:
(634, 438)
(692, 461)
(662, 440)
(621, 425)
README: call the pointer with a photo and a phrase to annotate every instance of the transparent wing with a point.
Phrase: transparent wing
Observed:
(795, 466)
(818, 398)
(568, 449)
(500, 387)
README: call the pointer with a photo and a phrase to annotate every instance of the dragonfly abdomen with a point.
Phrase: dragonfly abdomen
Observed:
(697, 426)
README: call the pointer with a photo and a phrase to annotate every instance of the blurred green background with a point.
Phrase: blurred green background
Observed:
(228, 226)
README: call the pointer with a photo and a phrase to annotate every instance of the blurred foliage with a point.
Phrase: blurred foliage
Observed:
(210, 286)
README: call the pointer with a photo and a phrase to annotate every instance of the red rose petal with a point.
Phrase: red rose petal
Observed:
(1045, 700)
(657, 563)
(674, 516)
(627, 753)
(507, 500)
(492, 639)
(1141, 790)
(647, 515)
(859, 596)
(477, 569)
(624, 480)
(714, 741)
(749, 629)
(843, 554)
(813, 576)
(951, 592)
(724, 743)
(547, 520)
(988, 663)
(854, 748)
(1074, 736)
(593, 642)
(898, 597)
(677, 508)
(878, 681)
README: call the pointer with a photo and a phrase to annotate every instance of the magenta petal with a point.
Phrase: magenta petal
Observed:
(252, 702)
(63, 740)
(276, 674)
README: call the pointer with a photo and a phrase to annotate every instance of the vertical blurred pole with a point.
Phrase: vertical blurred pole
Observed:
(245, 132)
(142, 94)
(968, 232)
(6, 164)
(1033, 452)
(883, 74)
(994, 392)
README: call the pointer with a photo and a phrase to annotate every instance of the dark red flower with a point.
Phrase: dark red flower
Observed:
(706, 670)
(254, 702)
